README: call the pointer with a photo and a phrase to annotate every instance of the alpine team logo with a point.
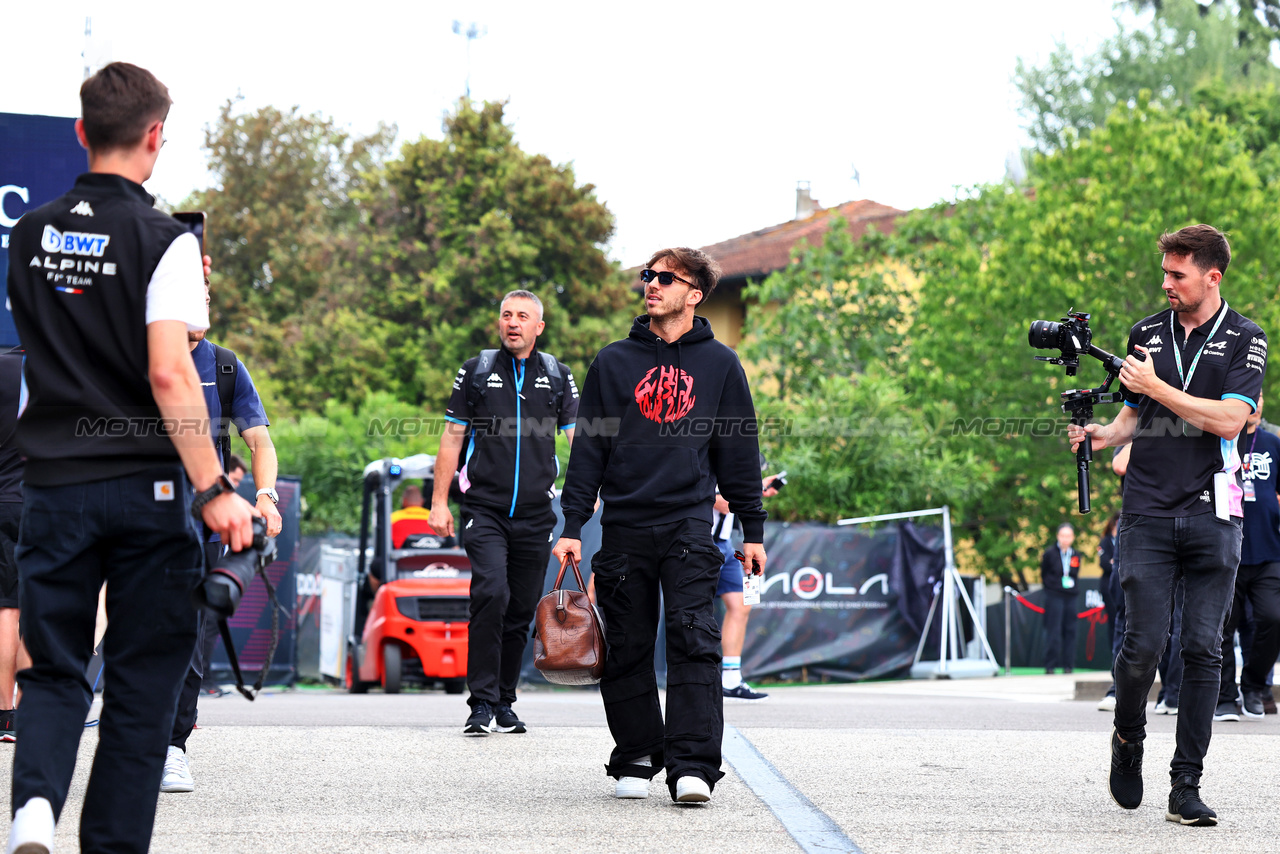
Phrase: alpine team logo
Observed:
(668, 396)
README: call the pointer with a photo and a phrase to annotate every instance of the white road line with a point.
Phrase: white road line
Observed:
(813, 829)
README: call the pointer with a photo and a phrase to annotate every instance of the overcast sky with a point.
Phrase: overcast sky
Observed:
(694, 120)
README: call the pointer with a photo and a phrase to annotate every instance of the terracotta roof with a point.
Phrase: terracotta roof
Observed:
(762, 252)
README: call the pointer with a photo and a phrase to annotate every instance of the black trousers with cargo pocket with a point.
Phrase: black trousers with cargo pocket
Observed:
(638, 571)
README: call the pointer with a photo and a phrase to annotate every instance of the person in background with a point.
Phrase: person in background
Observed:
(411, 518)
(1059, 570)
(1257, 581)
(733, 628)
(13, 656)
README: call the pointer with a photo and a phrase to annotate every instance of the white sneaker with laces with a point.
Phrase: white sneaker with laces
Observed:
(32, 829)
(177, 772)
(692, 790)
(1107, 703)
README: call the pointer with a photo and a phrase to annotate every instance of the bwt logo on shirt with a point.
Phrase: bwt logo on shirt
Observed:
(73, 242)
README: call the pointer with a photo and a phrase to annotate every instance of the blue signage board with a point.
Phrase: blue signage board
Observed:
(40, 158)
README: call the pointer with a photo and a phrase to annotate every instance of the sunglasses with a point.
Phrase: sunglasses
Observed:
(664, 278)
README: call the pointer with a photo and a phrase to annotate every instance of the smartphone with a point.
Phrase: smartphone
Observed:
(779, 481)
(195, 223)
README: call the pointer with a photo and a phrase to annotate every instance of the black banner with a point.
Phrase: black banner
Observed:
(846, 602)
(1093, 630)
(251, 626)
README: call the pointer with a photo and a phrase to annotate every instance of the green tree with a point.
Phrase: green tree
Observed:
(1184, 47)
(832, 312)
(827, 335)
(464, 219)
(282, 230)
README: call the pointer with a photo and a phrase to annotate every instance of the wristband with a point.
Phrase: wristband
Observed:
(220, 486)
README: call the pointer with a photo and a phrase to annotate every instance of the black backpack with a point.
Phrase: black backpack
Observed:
(549, 366)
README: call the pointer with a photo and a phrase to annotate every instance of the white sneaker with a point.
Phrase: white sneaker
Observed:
(177, 772)
(1107, 703)
(32, 829)
(1162, 708)
(631, 787)
(692, 790)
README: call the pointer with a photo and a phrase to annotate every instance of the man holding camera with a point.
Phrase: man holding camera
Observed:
(116, 434)
(1193, 375)
(656, 471)
(508, 404)
(231, 398)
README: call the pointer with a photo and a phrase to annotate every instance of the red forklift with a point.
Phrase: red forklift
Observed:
(413, 628)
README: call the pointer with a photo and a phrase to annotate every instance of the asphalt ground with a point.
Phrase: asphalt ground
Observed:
(1011, 764)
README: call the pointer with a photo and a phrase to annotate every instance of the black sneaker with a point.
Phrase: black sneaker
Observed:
(481, 720)
(1125, 784)
(506, 721)
(1185, 806)
(8, 726)
(743, 692)
(1226, 712)
(1252, 705)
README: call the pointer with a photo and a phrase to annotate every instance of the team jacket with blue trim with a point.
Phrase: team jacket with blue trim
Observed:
(1172, 464)
(509, 455)
(79, 268)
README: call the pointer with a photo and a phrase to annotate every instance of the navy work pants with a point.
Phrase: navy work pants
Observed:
(509, 558)
(135, 533)
(1060, 630)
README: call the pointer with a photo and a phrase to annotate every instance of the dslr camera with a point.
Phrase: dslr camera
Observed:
(1071, 337)
(220, 590)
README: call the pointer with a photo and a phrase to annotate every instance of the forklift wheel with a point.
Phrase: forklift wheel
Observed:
(354, 685)
(391, 658)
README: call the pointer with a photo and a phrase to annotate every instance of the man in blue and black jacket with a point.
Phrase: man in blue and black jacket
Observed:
(666, 415)
(506, 407)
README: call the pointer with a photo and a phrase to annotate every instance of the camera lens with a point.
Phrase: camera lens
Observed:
(1044, 334)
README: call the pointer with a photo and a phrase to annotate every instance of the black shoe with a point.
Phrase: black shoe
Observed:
(8, 726)
(506, 721)
(1068, 670)
(1252, 705)
(1126, 772)
(1226, 712)
(743, 692)
(481, 720)
(1185, 806)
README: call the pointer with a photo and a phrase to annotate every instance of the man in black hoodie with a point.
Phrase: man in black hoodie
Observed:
(665, 416)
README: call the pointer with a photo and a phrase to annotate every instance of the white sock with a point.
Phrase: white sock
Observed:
(731, 675)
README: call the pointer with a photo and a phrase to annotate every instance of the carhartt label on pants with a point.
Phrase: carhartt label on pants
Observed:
(164, 490)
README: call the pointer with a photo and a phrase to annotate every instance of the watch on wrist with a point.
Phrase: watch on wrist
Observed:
(220, 486)
(270, 493)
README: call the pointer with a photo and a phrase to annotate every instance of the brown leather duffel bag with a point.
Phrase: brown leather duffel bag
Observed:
(568, 633)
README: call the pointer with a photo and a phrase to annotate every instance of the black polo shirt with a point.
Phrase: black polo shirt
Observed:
(1172, 464)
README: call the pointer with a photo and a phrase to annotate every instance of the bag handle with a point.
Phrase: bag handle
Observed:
(567, 562)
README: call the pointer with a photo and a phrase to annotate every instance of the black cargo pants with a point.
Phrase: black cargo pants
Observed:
(634, 565)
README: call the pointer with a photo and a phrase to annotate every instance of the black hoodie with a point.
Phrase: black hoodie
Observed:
(659, 425)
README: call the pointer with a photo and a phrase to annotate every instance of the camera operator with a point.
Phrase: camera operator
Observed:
(104, 290)
(1186, 399)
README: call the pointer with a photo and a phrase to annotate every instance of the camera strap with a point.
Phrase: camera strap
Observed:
(1177, 353)
(233, 660)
